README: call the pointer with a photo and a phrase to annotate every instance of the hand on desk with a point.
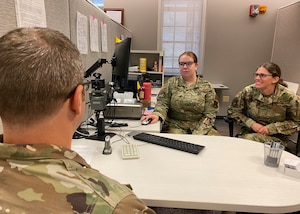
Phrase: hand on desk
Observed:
(154, 118)
(146, 122)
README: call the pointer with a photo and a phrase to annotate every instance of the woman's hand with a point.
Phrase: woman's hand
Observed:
(260, 129)
(154, 118)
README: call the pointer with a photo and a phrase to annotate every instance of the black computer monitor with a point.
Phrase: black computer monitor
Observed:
(120, 64)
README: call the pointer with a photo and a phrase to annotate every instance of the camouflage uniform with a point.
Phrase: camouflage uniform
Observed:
(53, 179)
(187, 109)
(279, 112)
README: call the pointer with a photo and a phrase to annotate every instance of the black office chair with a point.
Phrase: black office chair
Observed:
(231, 122)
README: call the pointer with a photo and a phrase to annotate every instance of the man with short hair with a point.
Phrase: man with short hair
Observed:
(42, 104)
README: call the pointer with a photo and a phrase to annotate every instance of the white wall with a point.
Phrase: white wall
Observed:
(141, 18)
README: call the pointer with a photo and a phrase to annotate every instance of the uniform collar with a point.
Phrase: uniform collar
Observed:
(181, 81)
(271, 98)
(38, 152)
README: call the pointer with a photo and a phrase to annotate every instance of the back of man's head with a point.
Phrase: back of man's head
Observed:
(39, 69)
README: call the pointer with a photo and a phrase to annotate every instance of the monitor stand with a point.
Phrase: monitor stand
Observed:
(101, 134)
(100, 137)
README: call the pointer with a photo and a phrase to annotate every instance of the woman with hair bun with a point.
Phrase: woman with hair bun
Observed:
(267, 110)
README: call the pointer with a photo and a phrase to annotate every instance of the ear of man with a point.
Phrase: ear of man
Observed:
(77, 100)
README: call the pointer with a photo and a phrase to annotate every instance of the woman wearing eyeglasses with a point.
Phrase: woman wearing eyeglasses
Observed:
(186, 104)
(267, 110)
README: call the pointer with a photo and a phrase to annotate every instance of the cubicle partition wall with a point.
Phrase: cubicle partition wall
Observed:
(61, 15)
(286, 44)
(57, 16)
(113, 30)
(7, 16)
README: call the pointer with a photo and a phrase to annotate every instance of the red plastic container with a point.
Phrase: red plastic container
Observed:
(147, 92)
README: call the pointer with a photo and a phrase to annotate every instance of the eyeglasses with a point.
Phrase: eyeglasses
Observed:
(181, 64)
(261, 75)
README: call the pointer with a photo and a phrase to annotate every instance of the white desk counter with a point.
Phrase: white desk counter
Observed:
(228, 175)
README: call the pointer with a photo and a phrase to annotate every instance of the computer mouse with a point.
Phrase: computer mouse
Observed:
(146, 122)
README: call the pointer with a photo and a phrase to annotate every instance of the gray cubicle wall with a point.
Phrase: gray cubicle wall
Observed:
(57, 16)
(7, 16)
(113, 30)
(286, 47)
(61, 16)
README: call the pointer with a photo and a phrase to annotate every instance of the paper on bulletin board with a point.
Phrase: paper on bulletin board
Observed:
(82, 33)
(30, 13)
(94, 34)
(104, 36)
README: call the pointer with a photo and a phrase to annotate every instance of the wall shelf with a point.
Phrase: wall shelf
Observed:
(157, 77)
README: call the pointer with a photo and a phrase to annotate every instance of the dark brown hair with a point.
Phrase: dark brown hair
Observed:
(275, 70)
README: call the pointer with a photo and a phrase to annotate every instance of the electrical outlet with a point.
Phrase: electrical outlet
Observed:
(225, 99)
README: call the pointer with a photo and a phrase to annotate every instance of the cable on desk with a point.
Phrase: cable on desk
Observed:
(122, 138)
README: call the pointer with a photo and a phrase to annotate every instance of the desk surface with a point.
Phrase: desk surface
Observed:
(229, 175)
(135, 125)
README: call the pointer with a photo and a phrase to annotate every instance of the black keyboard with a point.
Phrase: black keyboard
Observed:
(169, 142)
